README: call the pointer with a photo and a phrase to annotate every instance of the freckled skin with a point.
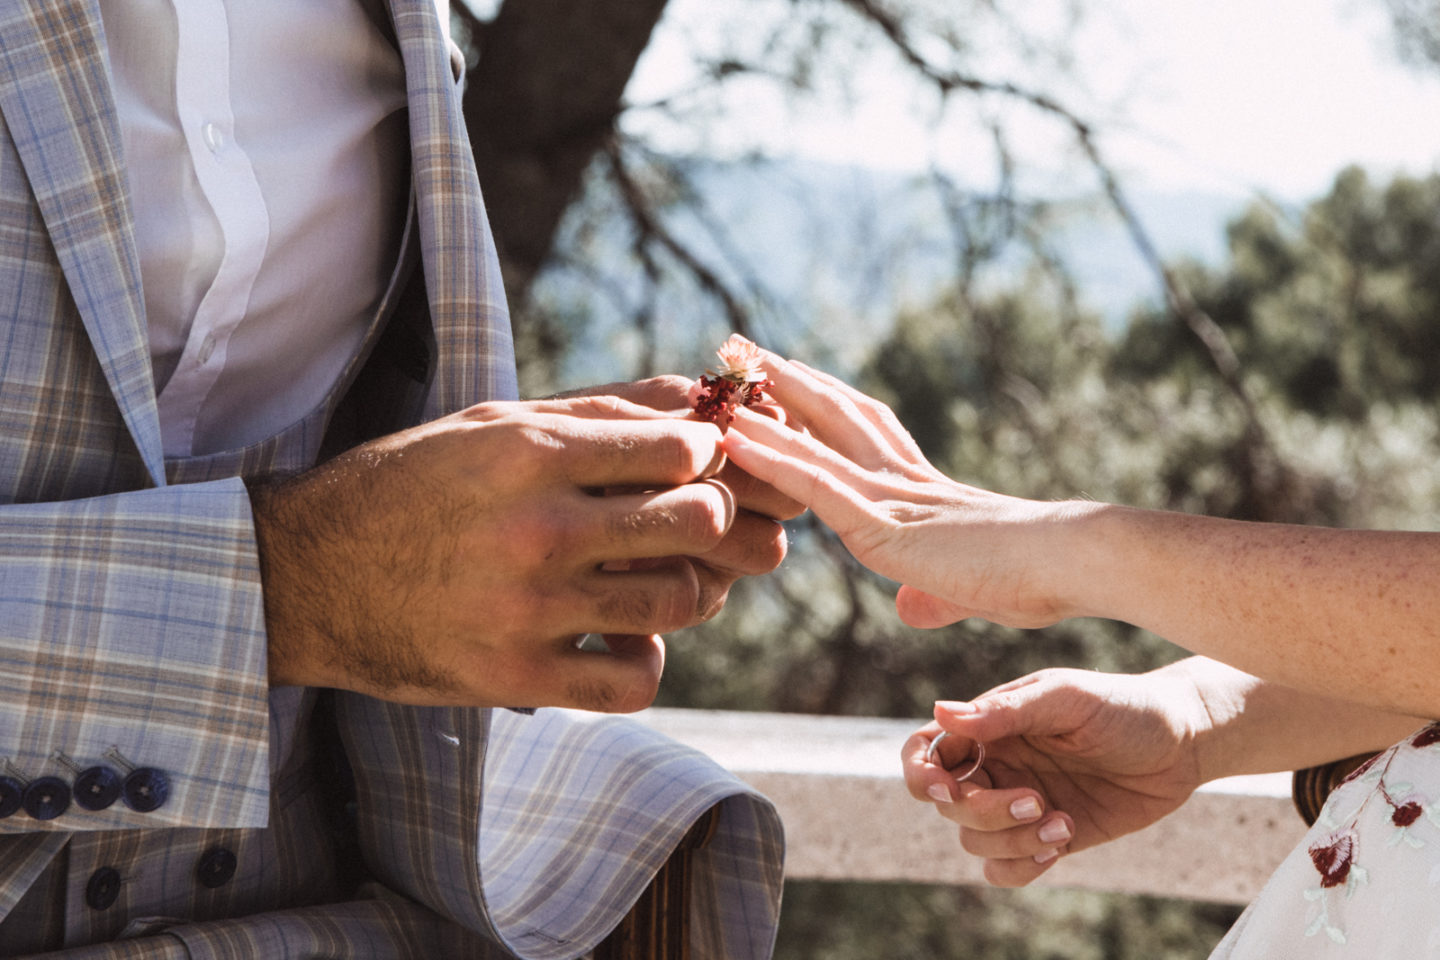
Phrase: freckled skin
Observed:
(1323, 641)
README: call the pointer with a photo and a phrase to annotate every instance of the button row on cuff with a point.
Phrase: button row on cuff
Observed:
(144, 790)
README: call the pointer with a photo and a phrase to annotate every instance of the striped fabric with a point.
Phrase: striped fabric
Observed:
(131, 615)
(579, 799)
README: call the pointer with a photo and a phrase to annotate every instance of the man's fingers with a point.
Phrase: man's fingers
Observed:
(689, 520)
(659, 452)
(620, 679)
(661, 596)
(757, 496)
(755, 545)
(600, 406)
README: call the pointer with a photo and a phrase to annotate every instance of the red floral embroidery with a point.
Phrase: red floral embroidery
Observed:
(1359, 771)
(1406, 814)
(1426, 737)
(1333, 859)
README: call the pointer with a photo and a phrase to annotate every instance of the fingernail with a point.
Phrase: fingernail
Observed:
(940, 793)
(959, 707)
(1026, 808)
(1045, 856)
(1054, 832)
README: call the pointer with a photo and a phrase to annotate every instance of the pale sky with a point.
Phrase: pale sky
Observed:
(1229, 95)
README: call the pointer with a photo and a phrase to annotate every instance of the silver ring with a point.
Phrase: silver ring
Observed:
(932, 755)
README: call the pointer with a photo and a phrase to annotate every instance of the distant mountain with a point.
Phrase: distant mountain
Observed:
(842, 250)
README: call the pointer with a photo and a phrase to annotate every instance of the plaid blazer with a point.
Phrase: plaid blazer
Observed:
(132, 620)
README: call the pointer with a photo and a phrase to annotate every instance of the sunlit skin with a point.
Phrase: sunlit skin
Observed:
(1294, 611)
(460, 561)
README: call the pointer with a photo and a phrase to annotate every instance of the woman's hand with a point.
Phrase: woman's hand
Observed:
(959, 550)
(1072, 759)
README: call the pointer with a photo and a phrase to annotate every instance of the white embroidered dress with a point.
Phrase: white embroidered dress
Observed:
(1365, 881)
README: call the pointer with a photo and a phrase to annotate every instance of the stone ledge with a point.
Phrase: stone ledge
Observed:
(836, 782)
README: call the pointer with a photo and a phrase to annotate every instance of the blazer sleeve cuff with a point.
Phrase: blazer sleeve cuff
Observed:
(132, 636)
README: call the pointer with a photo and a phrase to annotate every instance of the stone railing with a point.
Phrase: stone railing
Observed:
(837, 784)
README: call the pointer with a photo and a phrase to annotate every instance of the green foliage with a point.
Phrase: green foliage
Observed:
(1333, 317)
(1334, 322)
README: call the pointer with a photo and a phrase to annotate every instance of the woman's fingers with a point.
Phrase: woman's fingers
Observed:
(1012, 828)
(799, 468)
(1016, 873)
(832, 414)
(880, 415)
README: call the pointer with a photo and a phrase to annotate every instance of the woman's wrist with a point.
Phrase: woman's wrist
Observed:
(1082, 559)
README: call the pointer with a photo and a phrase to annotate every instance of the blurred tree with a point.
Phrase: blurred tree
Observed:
(1417, 29)
(1296, 382)
(545, 89)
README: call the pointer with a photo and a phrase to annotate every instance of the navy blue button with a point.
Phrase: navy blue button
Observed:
(145, 790)
(216, 867)
(97, 787)
(103, 888)
(46, 798)
(10, 796)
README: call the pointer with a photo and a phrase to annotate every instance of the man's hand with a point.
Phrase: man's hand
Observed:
(1072, 759)
(459, 562)
(755, 543)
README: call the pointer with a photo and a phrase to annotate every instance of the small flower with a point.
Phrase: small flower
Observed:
(1334, 859)
(1406, 813)
(740, 360)
(740, 382)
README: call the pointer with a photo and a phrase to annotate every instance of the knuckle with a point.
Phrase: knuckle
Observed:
(767, 547)
(705, 523)
(972, 842)
(532, 540)
(594, 695)
(711, 598)
(668, 606)
(687, 451)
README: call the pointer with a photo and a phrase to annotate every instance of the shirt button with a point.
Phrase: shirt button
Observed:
(103, 889)
(46, 798)
(145, 790)
(207, 347)
(97, 787)
(215, 868)
(214, 137)
(11, 793)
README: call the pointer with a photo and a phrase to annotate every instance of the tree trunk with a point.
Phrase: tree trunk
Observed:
(542, 100)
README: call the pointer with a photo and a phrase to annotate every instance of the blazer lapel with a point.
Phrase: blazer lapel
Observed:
(476, 358)
(56, 100)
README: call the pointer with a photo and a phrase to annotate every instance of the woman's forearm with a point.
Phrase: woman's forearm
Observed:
(1256, 726)
(1353, 615)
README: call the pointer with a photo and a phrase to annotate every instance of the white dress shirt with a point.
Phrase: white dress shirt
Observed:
(266, 146)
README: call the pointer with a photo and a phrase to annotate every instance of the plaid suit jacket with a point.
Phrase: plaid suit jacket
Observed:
(131, 613)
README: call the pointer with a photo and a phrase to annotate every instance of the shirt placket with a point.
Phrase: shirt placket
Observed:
(228, 183)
